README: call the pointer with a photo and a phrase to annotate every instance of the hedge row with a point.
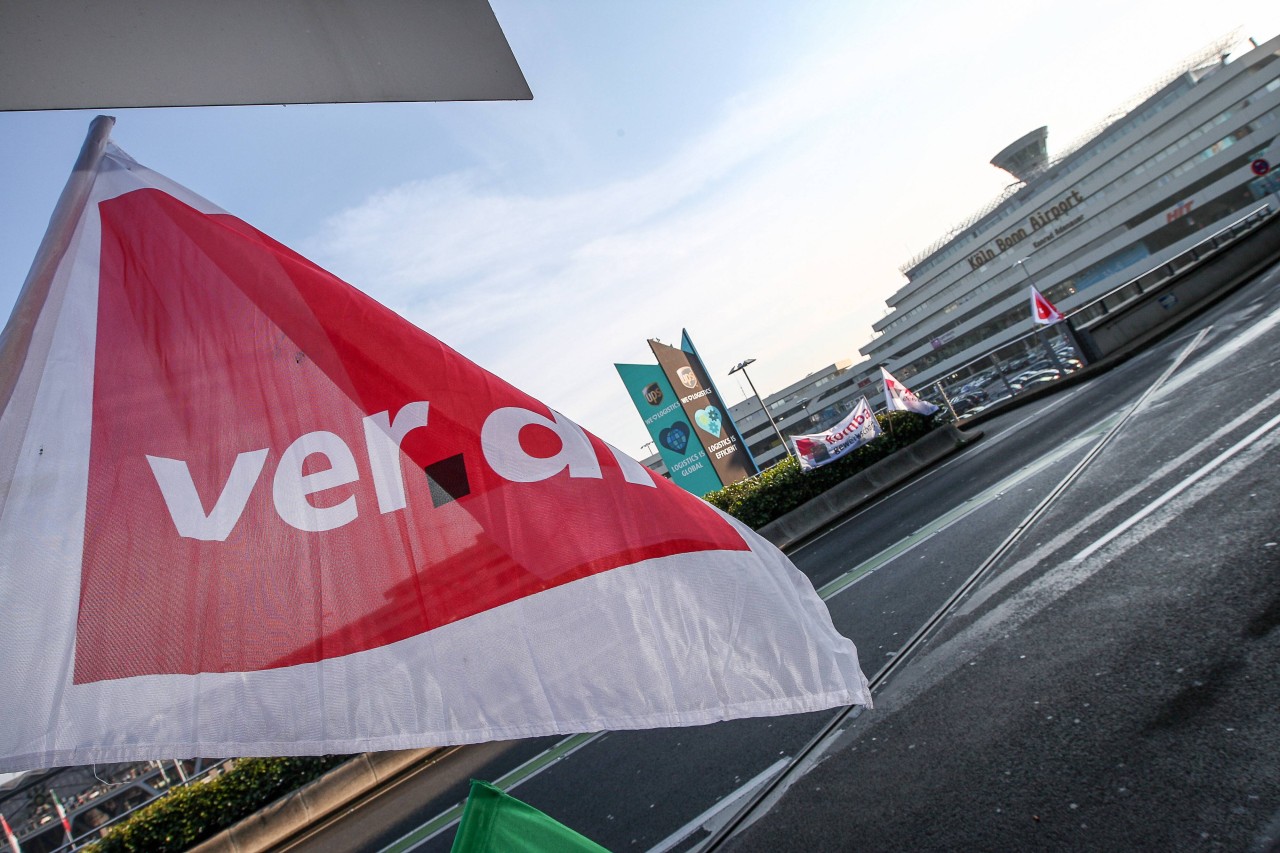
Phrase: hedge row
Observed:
(760, 499)
(189, 814)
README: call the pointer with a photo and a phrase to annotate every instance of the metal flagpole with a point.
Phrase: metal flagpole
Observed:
(16, 338)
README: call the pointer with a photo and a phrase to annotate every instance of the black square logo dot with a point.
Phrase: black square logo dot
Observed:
(447, 480)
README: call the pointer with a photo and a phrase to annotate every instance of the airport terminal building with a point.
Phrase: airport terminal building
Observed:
(1170, 170)
(1166, 171)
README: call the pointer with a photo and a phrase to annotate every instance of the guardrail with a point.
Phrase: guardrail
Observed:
(1139, 285)
(107, 791)
(1057, 349)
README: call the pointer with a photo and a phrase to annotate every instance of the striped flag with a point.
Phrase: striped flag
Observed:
(8, 834)
(62, 814)
(267, 516)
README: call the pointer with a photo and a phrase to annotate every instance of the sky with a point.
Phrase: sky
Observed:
(755, 172)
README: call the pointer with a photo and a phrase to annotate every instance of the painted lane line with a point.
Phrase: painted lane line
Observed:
(1238, 342)
(449, 817)
(1068, 537)
(907, 651)
(933, 470)
(936, 469)
(1035, 515)
(1206, 470)
(834, 587)
(707, 817)
(997, 623)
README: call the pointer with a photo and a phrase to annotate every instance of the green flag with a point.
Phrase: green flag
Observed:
(495, 821)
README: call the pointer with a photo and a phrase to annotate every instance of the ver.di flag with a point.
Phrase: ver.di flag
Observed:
(856, 429)
(900, 398)
(1042, 310)
(247, 510)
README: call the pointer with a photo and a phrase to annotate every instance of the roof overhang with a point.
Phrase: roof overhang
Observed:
(60, 54)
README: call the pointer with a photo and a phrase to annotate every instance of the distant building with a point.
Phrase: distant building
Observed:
(93, 796)
(1139, 189)
(1164, 173)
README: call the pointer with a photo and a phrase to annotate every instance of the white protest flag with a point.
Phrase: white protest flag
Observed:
(899, 398)
(854, 430)
(246, 510)
(1042, 310)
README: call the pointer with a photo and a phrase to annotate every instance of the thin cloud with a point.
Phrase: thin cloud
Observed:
(735, 234)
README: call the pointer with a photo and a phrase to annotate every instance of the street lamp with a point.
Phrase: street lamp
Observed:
(742, 365)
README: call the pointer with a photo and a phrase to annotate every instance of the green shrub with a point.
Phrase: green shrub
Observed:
(760, 499)
(189, 814)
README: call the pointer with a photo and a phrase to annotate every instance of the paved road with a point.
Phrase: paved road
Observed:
(1172, 616)
(1112, 685)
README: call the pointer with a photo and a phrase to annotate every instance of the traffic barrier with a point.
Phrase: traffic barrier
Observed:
(866, 485)
(313, 802)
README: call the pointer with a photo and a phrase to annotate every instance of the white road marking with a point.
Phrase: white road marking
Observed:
(1065, 538)
(706, 820)
(1214, 465)
(1227, 349)
(996, 625)
(982, 447)
(923, 534)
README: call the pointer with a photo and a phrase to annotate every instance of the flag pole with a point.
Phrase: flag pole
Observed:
(16, 338)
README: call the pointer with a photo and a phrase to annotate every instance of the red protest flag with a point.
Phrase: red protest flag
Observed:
(270, 516)
(1042, 310)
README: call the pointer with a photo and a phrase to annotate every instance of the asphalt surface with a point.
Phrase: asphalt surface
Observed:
(1101, 690)
(1124, 700)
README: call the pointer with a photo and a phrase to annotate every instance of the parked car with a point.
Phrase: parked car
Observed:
(1035, 377)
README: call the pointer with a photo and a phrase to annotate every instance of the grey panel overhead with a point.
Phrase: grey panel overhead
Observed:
(68, 54)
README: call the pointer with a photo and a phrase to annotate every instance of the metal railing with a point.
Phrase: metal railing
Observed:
(156, 781)
(1140, 284)
(964, 390)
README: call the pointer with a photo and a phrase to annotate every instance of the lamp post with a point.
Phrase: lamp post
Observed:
(742, 365)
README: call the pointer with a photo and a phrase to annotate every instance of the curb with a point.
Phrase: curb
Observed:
(340, 787)
(866, 485)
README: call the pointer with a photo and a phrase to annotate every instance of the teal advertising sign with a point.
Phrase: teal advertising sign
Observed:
(665, 419)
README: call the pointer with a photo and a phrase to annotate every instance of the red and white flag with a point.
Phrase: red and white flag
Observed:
(9, 836)
(62, 814)
(247, 510)
(854, 430)
(899, 398)
(1042, 310)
